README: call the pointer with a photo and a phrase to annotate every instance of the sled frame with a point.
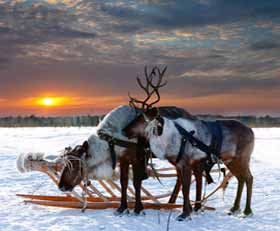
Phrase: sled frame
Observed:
(107, 196)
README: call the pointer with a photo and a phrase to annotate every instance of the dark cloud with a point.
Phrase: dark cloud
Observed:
(182, 14)
(265, 45)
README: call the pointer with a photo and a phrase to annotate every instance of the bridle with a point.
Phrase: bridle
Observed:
(152, 122)
(83, 171)
(83, 164)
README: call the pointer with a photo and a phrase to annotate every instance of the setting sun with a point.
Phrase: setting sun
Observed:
(48, 101)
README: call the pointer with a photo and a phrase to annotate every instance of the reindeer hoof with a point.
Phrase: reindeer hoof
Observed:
(121, 211)
(247, 213)
(139, 213)
(197, 208)
(183, 217)
(234, 211)
(138, 210)
(198, 211)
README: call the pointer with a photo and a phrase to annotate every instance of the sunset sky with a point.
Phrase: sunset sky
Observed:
(73, 57)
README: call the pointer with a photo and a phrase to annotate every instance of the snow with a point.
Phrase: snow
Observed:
(15, 215)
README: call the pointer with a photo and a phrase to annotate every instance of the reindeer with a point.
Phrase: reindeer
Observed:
(96, 157)
(166, 142)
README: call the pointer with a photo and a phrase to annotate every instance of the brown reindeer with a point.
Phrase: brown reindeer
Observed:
(153, 88)
(165, 139)
(93, 158)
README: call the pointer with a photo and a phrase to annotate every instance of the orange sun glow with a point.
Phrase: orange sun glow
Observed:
(49, 101)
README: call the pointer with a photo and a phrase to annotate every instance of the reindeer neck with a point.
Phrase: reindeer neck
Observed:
(198, 127)
(169, 142)
(100, 151)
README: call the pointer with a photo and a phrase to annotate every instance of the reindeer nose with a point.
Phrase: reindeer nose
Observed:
(62, 189)
(65, 189)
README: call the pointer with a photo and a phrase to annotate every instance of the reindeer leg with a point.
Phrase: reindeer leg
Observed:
(137, 182)
(124, 169)
(186, 181)
(198, 179)
(249, 185)
(237, 170)
(176, 189)
(236, 205)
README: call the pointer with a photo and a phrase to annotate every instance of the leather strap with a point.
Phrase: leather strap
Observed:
(112, 141)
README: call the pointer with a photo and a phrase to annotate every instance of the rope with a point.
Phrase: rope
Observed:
(204, 194)
(168, 220)
(83, 166)
(84, 196)
(150, 156)
(215, 159)
(37, 188)
(158, 214)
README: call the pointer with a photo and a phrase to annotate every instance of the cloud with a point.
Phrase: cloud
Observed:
(218, 73)
(95, 48)
(183, 14)
(125, 31)
(265, 45)
(231, 103)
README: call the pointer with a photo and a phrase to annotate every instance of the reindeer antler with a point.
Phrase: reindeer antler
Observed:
(150, 87)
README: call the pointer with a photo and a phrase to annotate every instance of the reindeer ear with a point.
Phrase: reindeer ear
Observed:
(85, 145)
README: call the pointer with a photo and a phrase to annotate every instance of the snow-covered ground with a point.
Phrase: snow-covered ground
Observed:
(15, 215)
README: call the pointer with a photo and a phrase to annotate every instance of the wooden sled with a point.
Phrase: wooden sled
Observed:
(107, 195)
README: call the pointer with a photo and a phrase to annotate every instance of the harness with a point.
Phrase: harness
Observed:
(140, 147)
(112, 141)
(212, 151)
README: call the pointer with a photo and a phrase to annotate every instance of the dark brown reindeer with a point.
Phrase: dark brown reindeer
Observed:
(165, 142)
(93, 159)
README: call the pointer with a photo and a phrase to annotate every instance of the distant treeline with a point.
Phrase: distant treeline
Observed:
(36, 121)
(89, 120)
(251, 121)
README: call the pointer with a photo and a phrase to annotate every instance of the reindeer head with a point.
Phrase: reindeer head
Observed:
(145, 124)
(149, 118)
(74, 170)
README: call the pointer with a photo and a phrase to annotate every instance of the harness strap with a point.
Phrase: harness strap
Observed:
(182, 149)
(214, 148)
(112, 141)
(194, 141)
(116, 141)
(139, 147)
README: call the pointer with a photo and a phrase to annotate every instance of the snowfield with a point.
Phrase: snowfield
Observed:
(15, 215)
